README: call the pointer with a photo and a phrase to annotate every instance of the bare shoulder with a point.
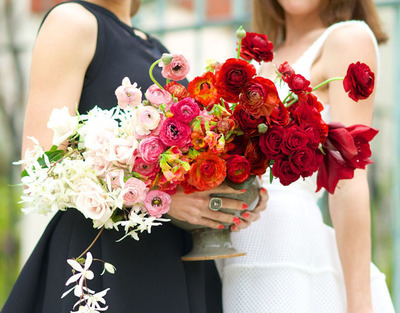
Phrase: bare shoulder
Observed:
(348, 44)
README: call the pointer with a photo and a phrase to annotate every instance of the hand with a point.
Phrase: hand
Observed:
(252, 216)
(193, 208)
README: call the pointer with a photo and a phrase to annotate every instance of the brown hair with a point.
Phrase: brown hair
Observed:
(269, 18)
(135, 5)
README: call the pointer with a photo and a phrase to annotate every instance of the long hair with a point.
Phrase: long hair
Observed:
(269, 17)
(135, 5)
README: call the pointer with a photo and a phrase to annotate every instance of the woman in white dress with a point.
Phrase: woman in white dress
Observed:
(294, 262)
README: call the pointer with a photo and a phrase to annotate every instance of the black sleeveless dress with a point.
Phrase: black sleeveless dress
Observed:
(150, 276)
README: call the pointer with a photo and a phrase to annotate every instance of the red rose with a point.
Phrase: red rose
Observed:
(297, 83)
(248, 123)
(238, 145)
(280, 115)
(203, 90)
(284, 172)
(231, 76)
(177, 90)
(207, 172)
(256, 47)
(272, 141)
(305, 161)
(359, 81)
(285, 69)
(295, 138)
(238, 168)
(346, 148)
(259, 97)
(258, 162)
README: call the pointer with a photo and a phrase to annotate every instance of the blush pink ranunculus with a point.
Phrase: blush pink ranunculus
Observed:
(157, 203)
(177, 69)
(157, 96)
(128, 94)
(134, 191)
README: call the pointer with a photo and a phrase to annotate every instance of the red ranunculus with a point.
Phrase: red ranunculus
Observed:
(310, 99)
(248, 123)
(359, 81)
(256, 47)
(285, 69)
(258, 162)
(284, 172)
(259, 97)
(238, 168)
(305, 161)
(207, 172)
(295, 138)
(231, 76)
(280, 115)
(175, 133)
(345, 148)
(238, 145)
(177, 90)
(272, 141)
(203, 90)
(298, 83)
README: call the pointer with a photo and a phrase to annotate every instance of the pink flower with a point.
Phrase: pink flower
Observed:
(146, 169)
(115, 178)
(185, 110)
(99, 164)
(177, 69)
(157, 203)
(128, 94)
(134, 192)
(144, 120)
(122, 151)
(158, 96)
(175, 133)
(150, 149)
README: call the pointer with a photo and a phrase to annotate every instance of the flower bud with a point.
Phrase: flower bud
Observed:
(166, 58)
(240, 33)
(262, 128)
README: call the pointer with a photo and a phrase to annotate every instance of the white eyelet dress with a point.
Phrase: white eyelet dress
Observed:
(292, 262)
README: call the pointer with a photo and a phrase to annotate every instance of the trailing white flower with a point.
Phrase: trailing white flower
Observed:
(63, 124)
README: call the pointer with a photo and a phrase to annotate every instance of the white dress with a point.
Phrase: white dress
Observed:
(292, 262)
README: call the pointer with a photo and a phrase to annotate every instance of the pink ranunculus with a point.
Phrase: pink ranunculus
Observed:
(185, 110)
(115, 178)
(156, 96)
(128, 94)
(146, 169)
(92, 202)
(175, 133)
(134, 191)
(177, 69)
(157, 203)
(150, 148)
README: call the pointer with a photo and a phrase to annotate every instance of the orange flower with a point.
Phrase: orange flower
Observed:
(202, 90)
(198, 140)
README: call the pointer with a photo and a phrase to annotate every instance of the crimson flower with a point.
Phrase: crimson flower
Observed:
(202, 89)
(177, 90)
(256, 47)
(359, 81)
(238, 168)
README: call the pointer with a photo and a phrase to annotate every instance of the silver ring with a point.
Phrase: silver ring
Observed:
(215, 204)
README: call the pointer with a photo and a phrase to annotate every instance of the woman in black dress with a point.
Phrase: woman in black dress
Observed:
(82, 52)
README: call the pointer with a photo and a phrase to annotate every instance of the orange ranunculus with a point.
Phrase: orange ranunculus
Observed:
(202, 89)
(207, 172)
(198, 140)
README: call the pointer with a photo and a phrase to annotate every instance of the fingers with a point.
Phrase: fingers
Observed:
(224, 188)
(262, 203)
(233, 204)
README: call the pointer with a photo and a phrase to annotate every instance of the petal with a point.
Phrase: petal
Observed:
(89, 259)
(67, 292)
(73, 279)
(75, 265)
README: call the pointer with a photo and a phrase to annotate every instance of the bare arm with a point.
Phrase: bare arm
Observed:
(63, 50)
(350, 206)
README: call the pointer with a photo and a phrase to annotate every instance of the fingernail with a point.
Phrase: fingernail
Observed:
(244, 206)
(243, 190)
(221, 226)
(233, 227)
(245, 215)
(237, 220)
(263, 189)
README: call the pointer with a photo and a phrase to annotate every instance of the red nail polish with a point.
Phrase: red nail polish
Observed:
(243, 190)
(233, 227)
(263, 189)
(244, 206)
(221, 226)
(245, 215)
(237, 220)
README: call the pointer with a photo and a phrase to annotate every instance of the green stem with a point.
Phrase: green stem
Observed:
(287, 98)
(239, 47)
(151, 73)
(327, 82)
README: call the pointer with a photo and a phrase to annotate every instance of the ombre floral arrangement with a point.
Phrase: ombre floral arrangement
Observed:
(228, 125)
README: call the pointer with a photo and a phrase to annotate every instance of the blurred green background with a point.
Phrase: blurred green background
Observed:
(201, 30)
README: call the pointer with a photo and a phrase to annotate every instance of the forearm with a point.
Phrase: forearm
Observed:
(350, 211)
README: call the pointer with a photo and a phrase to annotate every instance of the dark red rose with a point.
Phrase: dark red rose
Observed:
(177, 90)
(259, 97)
(305, 161)
(237, 168)
(345, 148)
(238, 145)
(285, 69)
(258, 162)
(256, 47)
(231, 76)
(284, 172)
(247, 123)
(272, 141)
(359, 81)
(295, 138)
(297, 83)
(280, 115)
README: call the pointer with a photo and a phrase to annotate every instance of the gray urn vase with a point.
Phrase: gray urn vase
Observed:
(211, 244)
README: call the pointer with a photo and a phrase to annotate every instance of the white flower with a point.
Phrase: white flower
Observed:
(83, 274)
(92, 302)
(63, 124)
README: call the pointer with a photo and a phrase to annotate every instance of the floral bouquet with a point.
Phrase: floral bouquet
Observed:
(228, 125)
